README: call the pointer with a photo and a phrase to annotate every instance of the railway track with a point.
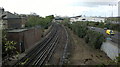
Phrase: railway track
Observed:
(42, 53)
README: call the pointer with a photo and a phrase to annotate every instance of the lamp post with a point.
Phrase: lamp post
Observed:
(112, 8)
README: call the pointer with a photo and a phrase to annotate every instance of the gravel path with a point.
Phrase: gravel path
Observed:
(82, 54)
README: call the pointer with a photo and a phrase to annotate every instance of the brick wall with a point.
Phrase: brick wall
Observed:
(17, 23)
(29, 38)
(14, 23)
(17, 37)
(25, 39)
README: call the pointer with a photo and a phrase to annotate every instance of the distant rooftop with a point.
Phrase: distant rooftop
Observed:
(8, 14)
(58, 18)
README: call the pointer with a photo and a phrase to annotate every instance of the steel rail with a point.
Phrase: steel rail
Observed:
(46, 54)
(40, 52)
(32, 51)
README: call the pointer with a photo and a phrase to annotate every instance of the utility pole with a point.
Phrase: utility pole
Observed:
(112, 8)
(119, 9)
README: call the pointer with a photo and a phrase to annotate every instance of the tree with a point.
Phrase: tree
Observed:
(8, 47)
(35, 20)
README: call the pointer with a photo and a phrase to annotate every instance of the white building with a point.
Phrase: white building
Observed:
(94, 19)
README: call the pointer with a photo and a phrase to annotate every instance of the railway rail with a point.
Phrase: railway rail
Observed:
(42, 53)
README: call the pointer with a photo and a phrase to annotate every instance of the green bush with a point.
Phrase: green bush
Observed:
(94, 39)
(82, 31)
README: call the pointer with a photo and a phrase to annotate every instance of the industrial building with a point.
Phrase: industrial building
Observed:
(93, 19)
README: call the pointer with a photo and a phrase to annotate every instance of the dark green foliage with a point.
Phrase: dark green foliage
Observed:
(86, 39)
(96, 23)
(8, 47)
(94, 39)
(101, 25)
(118, 58)
(66, 20)
(36, 21)
(82, 31)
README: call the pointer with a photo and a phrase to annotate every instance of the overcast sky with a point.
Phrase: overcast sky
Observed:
(62, 7)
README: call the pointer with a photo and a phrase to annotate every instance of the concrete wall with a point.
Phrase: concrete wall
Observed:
(111, 49)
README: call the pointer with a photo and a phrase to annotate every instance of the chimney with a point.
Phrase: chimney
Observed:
(1, 10)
